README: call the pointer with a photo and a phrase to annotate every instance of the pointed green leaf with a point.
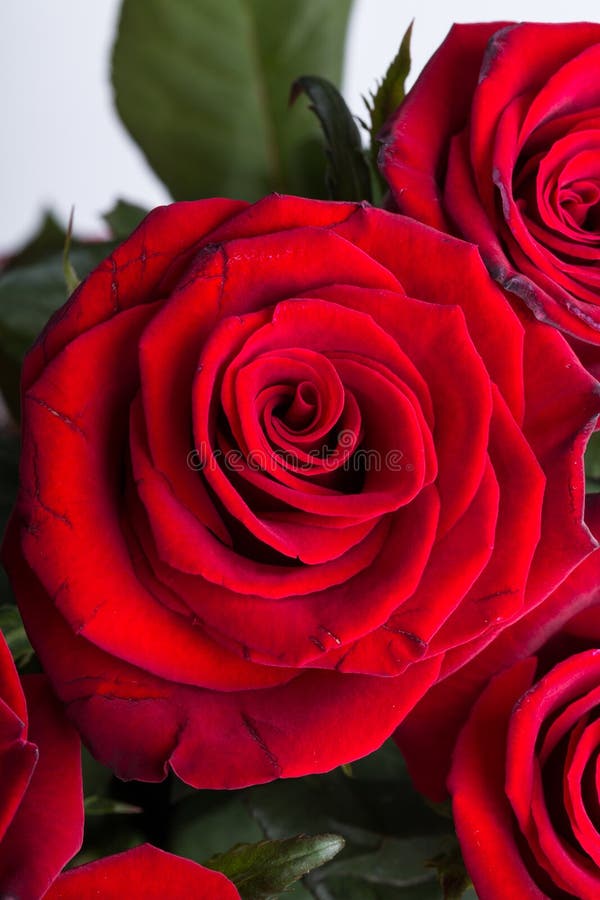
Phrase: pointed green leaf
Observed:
(348, 176)
(103, 806)
(203, 88)
(72, 279)
(261, 871)
(390, 92)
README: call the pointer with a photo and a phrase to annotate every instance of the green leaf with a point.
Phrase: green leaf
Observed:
(72, 279)
(32, 287)
(201, 825)
(348, 176)
(390, 92)
(397, 862)
(451, 871)
(124, 218)
(203, 88)
(261, 871)
(13, 630)
(48, 240)
(94, 805)
(592, 464)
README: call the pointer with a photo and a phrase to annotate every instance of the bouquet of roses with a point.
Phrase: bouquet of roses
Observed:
(301, 552)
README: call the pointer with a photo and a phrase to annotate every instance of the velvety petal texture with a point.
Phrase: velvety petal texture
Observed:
(41, 803)
(144, 873)
(282, 466)
(498, 142)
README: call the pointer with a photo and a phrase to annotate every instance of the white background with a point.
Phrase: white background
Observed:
(63, 145)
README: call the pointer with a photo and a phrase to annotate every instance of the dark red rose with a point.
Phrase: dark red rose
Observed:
(428, 735)
(144, 873)
(499, 142)
(525, 775)
(41, 804)
(280, 463)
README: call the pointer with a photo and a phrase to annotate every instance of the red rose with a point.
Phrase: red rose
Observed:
(428, 736)
(41, 805)
(279, 461)
(144, 873)
(524, 780)
(499, 142)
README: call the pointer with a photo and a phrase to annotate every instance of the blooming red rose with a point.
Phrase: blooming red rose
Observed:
(279, 462)
(144, 873)
(428, 735)
(41, 804)
(525, 777)
(499, 142)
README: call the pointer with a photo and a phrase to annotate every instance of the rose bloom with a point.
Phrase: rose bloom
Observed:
(41, 804)
(524, 781)
(283, 467)
(499, 142)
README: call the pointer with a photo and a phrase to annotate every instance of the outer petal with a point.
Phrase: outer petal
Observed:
(144, 873)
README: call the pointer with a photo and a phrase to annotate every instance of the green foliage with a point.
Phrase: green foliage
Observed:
(261, 871)
(72, 279)
(104, 806)
(348, 176)
(390, 93)
(203, 88)
(12, 628)
(390, 832)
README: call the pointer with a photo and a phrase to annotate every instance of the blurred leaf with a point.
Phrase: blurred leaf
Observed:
(13, 630)
(72, 279)
(397, 861)
(348, 176)
(592, 464)
(390, 92)
(96, 777)
(261, 871)
(48, 239)
(32, 287)
(388, 827)
(203, 88)
(451, 871)
(198, 832)
(124, 218)
(94, 805)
